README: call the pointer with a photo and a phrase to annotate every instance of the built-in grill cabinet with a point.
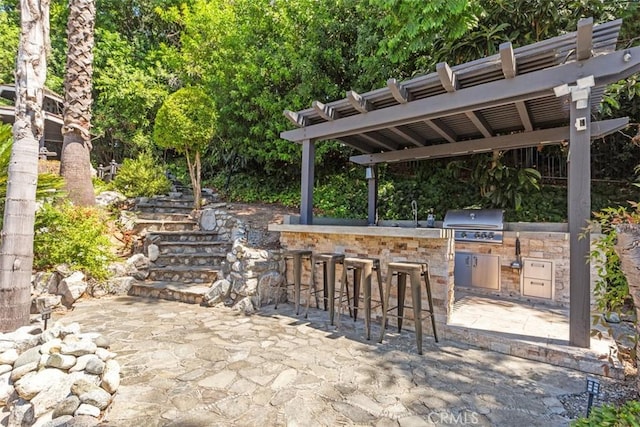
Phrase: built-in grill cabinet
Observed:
(537, 278)
(477, 270)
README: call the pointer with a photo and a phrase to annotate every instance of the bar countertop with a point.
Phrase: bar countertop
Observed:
(419, 232)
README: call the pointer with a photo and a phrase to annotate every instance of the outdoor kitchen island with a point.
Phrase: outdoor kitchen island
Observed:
(540, 244)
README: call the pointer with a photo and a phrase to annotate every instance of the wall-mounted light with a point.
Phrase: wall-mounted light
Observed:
(368, 172)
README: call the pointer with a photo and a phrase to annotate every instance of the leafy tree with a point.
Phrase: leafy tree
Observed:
(186, 123)
(9, 34)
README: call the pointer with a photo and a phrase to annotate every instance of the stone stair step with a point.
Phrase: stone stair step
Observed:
(203, 275)
(163, 208)
(162, 225)
(172, 291)
(164, 216)
(192, 247)
(186, 236)
(213, 259)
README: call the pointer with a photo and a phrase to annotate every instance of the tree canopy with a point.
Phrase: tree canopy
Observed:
(256, 58)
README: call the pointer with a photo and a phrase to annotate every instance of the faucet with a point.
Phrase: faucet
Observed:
(414, 211)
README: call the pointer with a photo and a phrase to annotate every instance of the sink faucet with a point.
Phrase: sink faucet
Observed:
(414, 211)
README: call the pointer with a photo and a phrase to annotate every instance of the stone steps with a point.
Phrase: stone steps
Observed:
(189, 260)
(172, 291)
(192, 248)
(213, 259)
(163, 225)
(186, 236)
(163, 216)
(201, 275)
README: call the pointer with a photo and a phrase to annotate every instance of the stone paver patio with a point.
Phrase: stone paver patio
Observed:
(187, 365)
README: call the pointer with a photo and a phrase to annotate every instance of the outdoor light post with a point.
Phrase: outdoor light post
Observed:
(593, 388)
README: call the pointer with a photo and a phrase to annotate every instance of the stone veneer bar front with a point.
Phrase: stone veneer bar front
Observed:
(436, 246)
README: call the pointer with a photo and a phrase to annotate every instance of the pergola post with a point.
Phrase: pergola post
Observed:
(306, 199)
(579, 213)
(372, 198)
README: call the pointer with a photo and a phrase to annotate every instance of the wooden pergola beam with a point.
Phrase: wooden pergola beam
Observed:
(508, 60)
(447, 77)
(484, 145)
(326, 112)
(441, 129)
(480, 123)
(584, 39)
(358, 102)
(398, 91)
(408, 135)
(295, 118)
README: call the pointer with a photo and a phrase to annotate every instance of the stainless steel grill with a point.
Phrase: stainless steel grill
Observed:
(476, 225)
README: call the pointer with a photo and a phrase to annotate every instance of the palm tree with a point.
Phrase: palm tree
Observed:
(16, 251)
(75, 164)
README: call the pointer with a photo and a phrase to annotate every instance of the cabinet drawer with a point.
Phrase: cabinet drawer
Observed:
(538, 269)
(537, 288)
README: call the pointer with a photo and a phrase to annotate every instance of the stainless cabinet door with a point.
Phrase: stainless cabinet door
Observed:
(485, 271)
(462, 269)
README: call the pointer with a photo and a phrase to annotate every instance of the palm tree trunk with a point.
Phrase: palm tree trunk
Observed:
(16, 251)
(75, 164)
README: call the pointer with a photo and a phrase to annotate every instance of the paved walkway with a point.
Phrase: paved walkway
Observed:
(186, 365)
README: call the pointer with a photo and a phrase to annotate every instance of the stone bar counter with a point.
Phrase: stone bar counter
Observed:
(389, 244)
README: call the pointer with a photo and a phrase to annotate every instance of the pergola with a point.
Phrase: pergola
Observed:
(534, 95)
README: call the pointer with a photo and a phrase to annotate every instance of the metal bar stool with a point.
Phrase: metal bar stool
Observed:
(363, 269)
(328, 261)
(296, 256)
(413, 270)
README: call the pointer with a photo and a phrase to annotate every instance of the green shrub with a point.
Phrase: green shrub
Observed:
(72, 235)
(141, 177)
(609, 415)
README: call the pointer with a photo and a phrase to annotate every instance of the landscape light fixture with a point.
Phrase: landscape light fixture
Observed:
(368, 172)
(593, 388)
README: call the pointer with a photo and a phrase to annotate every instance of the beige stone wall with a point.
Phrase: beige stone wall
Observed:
(436, 252)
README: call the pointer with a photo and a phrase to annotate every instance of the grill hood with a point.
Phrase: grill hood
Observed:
(474, 219)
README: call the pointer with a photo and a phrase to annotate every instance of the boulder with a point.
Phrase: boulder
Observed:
(6, 388)
(71, 288)
(55, 392)
(9, 357)
(208, 220)
(97, 397)
(78, 347)
(61, 421)
(21, 339)
(153, 251)
(60, 361)
(67, 406)
(86, 409)
(218, 292)
(34, 382)
(51, 347)
(94, 365)
(29, 356)
(23, 370)
(21, 414)
(120, 285)
(111, 376)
